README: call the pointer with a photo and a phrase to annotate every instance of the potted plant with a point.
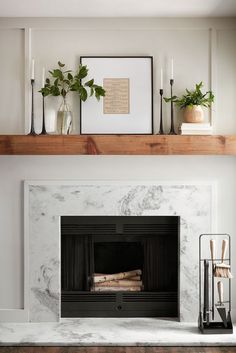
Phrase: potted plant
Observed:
(61, 83)
(192, 103)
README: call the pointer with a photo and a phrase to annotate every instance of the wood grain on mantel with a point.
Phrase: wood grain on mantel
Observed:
(117, 145)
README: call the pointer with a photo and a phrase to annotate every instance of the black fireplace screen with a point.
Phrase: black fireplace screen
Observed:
(119, 266)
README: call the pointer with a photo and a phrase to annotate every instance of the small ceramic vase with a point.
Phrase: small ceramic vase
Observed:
(193, 114)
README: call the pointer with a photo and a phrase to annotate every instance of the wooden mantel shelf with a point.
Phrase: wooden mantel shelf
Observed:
(117, 145)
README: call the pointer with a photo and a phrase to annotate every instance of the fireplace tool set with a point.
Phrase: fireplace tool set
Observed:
(215, 276)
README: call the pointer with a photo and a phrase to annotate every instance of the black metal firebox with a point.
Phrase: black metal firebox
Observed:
(116, 244)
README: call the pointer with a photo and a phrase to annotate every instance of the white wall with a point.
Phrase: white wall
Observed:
(188, 41)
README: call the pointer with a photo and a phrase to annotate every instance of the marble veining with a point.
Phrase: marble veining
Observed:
(110, 332)
(46, 203)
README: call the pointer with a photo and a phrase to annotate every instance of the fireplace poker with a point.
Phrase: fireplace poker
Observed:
(206, 308)
(212, 249)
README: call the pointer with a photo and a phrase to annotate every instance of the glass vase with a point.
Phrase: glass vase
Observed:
(64, 119)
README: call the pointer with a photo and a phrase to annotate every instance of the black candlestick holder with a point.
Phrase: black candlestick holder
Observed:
(172, 128)
(44, 132)
(161, 131)
(32, 130)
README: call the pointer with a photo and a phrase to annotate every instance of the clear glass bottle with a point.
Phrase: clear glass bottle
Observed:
(64, 119)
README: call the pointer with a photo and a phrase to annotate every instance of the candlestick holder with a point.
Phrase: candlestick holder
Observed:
(44, 132)
(172, 128)
(161, 131)
(32, 130)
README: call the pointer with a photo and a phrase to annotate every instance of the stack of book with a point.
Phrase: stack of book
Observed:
(196, 129)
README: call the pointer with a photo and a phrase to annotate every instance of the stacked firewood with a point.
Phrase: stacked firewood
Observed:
(130, 281)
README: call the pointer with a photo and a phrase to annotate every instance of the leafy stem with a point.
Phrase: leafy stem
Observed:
(61, 82)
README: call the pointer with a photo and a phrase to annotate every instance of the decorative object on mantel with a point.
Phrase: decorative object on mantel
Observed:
(44, 132)
(161, 131)
(171, 100)
(64, 118)
(128, 105)
(32, 130)
(192, 103)
(208, 265)
(60, 84)
(196, 129)
(172, 128)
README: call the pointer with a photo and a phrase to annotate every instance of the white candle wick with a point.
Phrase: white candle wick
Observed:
(32, 69)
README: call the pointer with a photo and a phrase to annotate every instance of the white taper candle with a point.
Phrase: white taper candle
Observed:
(32, 69)
(161, 85)
(43, 77)
(172, 68)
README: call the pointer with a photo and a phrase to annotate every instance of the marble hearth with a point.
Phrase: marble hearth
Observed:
(46, 201)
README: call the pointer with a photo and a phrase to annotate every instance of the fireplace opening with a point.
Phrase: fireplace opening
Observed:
(119, 266)
(118, 256)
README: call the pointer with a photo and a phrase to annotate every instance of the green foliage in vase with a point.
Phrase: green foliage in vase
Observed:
(62, 82)
(194, 97)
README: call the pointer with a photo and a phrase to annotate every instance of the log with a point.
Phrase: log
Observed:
(133, 278)
(116, 289)
(115, 276)
(120, 283)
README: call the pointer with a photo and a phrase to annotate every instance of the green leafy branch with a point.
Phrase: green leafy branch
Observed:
(62, 82)
(194, 97)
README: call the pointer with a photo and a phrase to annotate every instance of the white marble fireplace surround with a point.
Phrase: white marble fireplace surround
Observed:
(46, 201)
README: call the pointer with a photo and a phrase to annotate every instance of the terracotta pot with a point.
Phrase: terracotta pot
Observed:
(193, 114)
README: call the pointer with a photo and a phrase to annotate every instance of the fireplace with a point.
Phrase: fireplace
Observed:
(47, 202)
(120, 266)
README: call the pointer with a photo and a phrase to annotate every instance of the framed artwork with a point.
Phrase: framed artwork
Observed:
(127, 107)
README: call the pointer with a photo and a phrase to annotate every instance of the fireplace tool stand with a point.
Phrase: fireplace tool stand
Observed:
(214, 315)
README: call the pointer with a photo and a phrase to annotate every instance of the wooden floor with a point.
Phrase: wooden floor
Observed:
(117, 349)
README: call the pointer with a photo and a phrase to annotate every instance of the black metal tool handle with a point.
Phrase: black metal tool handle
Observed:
(213, 256)
(205, 290)
(206, 308)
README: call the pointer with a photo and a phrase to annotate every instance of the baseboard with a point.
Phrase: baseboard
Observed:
(14, 315)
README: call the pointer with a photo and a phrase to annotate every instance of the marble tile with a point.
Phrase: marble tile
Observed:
(46, 203)
(110, 332)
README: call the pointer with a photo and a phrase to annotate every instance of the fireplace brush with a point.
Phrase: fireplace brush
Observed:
(222, 269)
